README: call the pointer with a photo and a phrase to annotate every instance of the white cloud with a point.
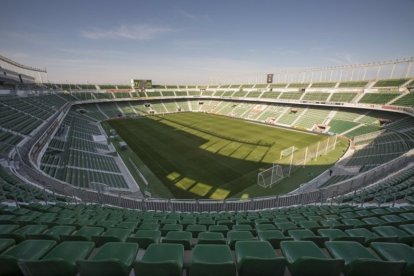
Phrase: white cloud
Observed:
(140, 32)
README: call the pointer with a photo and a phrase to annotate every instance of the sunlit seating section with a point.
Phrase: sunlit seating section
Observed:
(390, 83)
(315, 96)
(342, 97)
(378, 98)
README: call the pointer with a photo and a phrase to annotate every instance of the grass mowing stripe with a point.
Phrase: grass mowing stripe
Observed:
(202, 155)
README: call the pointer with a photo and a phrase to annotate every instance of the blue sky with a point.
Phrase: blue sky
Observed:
(200, 41)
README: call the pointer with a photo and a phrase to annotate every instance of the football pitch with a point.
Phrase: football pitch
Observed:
(197, 155)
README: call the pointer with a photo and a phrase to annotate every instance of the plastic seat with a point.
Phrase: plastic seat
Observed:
(392, 231)
(285, 226)
(195, 229)
(61, 260)
(145, 237)
(258, 258)
(307, 235)
(21, 234)
(212, 260)
(355, 223)
(359, 261)
(305, 258)
(265, 227)
(274, 237)
(219, 228)
(170, 227)
(180, 237)
(113, 258)
(409, 228)
(312, 225)
(6, 243)
(53, 233)
(339, 235)
(83, 234)
(211, 238)
(26, 250)
(369, 236)
(131, 225)
(111, 235)
(235, 236)
(243, 227)
(149, 226)
(161, 259)
(395, 252)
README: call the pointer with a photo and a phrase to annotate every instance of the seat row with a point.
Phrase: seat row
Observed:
(45, 257)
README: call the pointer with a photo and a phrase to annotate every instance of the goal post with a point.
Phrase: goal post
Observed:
(270, 176)
(287, 152)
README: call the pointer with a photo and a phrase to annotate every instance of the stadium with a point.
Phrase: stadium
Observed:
(295, 171)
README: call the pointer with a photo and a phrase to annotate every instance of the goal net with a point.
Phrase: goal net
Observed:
(270, 176)
(288, 151)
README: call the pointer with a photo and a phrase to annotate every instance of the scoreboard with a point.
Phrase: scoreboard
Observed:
(141, 84)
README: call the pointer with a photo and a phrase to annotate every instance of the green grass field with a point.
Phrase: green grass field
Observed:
(196, 155)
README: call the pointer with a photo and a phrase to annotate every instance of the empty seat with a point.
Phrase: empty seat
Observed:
(211, 238)
(212, 260)
(111, 235)
(145, 237)
(6, 243)
(20, 234)
(180, 237)
(113, 258)
(274, 237)
(149, 226)
(265, 227)
(258, 258)
(305, 258)
(170, 227)
(392, 231)
(219, 228)
(307, 235)
(339, 235)
(396, 252)
(195, 229)
(409, 228)
(53, 233)
(83, 234)
(26, 250)
(61, 260)
(368, 235)
(360, 261)
(161, 259)
(235, 236)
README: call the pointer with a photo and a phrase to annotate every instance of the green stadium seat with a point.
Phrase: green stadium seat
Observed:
(305, 258)
(285, 226)
(170, 227)
(113, 258)
(22, 233)
(26, 250)
(6, 243)
(111, 235)
(131, 225)
(243, 227)
(53, 233)
(334, 223)
(61, 260)
(395, 252)
(355, 223)
(368, 235)
(257, 258)
(394, 232)
(360, 261)
(180, 237)
(373, 221)
(211, 238)
(8, 228)
(212, 260)
(229, 223)
(274, 237)
(265, 227)
(409, 228)
(145, 237)
(161, 259)
(85, 233)
(195, 229)
(219, 228)
(339, 235)
(307, 235)
(149, 226)
(235, 236)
